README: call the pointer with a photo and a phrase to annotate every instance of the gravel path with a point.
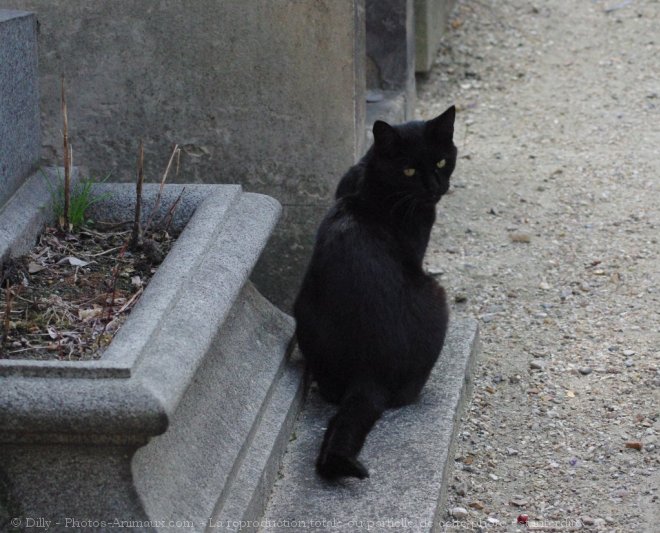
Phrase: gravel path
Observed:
(550, 238)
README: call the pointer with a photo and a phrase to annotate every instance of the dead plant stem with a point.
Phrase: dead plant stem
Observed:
(112, 293)
(9, 294)
(136, 238)
(67, 160)
(169, 216)
(175, 152)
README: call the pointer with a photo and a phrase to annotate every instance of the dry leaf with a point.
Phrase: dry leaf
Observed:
(33, 268)
(73, 261)
(88, 314)
(52, 332)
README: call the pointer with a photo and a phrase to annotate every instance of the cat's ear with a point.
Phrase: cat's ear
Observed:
(385, 136)
(441, 128)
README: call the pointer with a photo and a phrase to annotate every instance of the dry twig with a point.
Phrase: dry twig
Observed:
(112, 293)
(175, 153)
(67, 161)
(169, 216)
(9, 297)
(136, 238)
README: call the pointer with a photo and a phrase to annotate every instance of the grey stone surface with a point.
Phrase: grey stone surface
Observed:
(408, 454)
(288, 252)
(391, 56)
(75, 488)
(191, 469)
(20, 142)
(24, 214)
(258, 470)
(266, 94)
(391, 109)
(431, 17)
(197, 375)
(255, 477)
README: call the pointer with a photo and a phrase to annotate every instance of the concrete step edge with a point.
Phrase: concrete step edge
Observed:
(252, 483)
(409, 455)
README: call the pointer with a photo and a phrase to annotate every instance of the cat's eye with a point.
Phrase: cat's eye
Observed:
(409, 172)
(441, 163)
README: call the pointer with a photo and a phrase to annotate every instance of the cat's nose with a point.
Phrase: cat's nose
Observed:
(443, 185)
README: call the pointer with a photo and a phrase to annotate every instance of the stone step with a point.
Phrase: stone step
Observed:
(227, 435)
(252, 484)
(389, 106)
(408, 454)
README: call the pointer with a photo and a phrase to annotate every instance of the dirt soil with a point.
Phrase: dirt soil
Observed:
(550, 239)
(67, 298)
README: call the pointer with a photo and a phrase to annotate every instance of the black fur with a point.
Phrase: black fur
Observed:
(370, 322)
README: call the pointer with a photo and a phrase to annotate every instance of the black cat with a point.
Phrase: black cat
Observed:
(370, 322)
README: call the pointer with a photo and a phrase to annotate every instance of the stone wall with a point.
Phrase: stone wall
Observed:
(390, 61)
(269, 95)
(431, 18)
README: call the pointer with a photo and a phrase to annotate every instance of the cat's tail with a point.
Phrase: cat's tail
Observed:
(358, 411)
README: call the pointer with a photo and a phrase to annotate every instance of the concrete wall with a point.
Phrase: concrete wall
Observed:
(268, 94)
(19, 100)
(431, 17)
(391, 59)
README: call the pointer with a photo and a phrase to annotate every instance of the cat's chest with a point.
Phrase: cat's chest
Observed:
(414, 234)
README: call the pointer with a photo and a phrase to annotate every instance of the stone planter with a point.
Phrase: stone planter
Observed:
(185, 416)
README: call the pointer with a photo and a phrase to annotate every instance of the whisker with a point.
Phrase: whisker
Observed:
(410, 212)
(401, 202)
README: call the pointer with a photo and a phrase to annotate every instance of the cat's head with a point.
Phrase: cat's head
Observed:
(415, 159)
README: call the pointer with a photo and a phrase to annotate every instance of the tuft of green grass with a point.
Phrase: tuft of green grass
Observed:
(82, 197)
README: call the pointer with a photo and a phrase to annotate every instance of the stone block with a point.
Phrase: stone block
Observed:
(408, 453)
(390, 60)
(269, 95)
(288, 251)
(20, 142)
(191, 405)
(431, 18)
(258, 471)
(26, 213)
